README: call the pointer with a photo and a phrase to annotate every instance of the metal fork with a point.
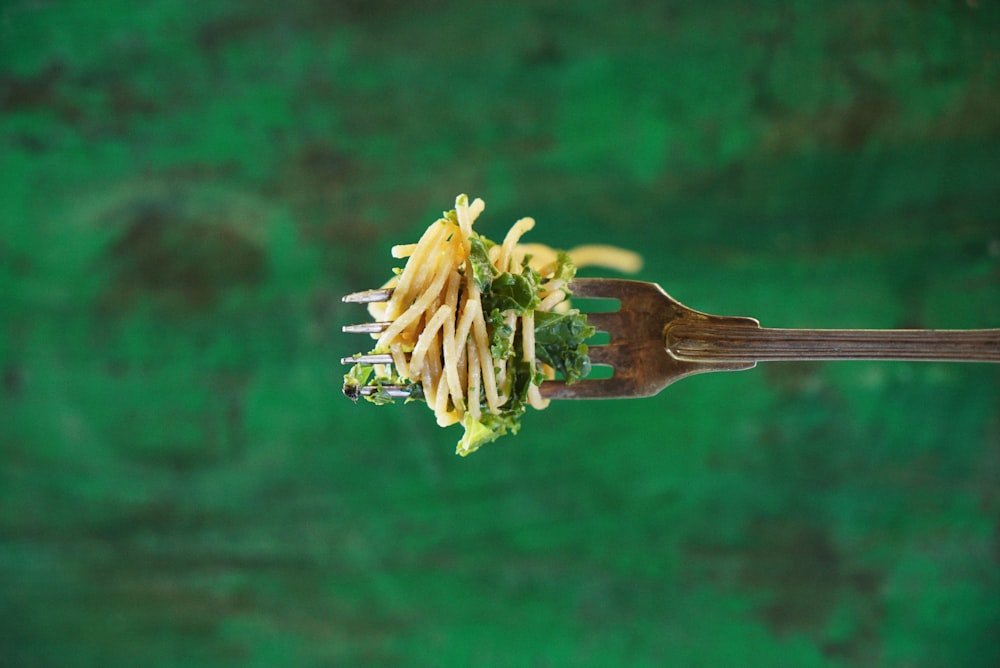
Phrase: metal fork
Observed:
(654, 340)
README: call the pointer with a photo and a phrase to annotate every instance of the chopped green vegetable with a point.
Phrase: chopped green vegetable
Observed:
(355, 379)
(516, 292)
(565, 269)
(477, 434)
(490, 427)
(482, 269)
(500, 335)
(559, 342)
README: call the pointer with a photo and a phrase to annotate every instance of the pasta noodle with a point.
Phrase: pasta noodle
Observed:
(475, 327)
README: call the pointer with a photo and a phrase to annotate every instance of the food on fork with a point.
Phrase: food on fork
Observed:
(473, 327)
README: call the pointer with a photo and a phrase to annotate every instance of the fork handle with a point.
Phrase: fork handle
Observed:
(695, 341)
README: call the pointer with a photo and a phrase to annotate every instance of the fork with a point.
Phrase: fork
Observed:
(654, 340)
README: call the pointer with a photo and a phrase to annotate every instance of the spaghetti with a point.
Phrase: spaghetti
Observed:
(477, 326)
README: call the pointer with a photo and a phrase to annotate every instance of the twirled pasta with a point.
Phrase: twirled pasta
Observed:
(465, 314)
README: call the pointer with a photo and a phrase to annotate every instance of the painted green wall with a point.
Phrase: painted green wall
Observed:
(186, 189)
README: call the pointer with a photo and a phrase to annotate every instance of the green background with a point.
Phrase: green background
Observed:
(188, 188)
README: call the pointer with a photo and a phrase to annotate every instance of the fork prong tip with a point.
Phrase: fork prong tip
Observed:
(370, 358)
(368, 296)
(366, 328)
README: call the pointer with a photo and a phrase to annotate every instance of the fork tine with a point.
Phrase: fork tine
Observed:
(366, 328)
(367, 359)
(607, 388)
(368, 296)
(610, 355)
(607, 322)
(601, 288)
(398, 391)
(588, 287)
(353, 392)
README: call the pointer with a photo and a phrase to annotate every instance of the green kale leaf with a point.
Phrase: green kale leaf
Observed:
(559, 342)
(355, 379)
(517, 292)
(500, 335)
(482, 269)
(565, 269)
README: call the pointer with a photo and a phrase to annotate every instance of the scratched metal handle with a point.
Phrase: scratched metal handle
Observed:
(694, 341)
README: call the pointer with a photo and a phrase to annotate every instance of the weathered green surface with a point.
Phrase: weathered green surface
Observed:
(187, 188)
